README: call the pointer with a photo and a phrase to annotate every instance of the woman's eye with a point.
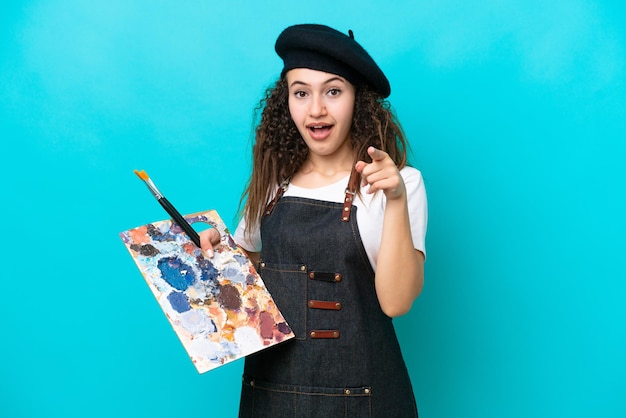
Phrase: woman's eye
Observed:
(334, 92)
(300, 94)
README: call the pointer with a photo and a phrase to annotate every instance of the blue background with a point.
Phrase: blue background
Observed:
(516, 113)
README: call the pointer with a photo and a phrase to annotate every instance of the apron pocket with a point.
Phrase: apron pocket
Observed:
(265, 399)
(283, 282)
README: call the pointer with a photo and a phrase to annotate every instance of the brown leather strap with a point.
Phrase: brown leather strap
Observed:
(278, 195)
(350, 192)
(325, 304)
(324, 333)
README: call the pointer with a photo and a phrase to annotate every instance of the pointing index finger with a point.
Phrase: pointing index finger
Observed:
(376, 154)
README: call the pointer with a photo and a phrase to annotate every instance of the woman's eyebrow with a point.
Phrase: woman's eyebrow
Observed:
(330, 80)
(333, 79)
(297, 82)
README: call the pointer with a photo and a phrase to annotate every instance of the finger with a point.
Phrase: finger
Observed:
(360, 165)
(376, 171)
(376, 154)
(387, 180)
(215, 236)
(368, 172)
(208, 238)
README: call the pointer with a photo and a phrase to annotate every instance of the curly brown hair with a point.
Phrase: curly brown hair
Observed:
(279, 150)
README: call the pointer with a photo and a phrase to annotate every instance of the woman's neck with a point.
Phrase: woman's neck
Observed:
(319, 171)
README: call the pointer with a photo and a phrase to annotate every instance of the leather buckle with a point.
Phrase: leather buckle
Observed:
(324, 334)
(325, 304)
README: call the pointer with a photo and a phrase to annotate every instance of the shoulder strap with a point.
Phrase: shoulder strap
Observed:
(350, 192)
(279, 193)
(347, 202)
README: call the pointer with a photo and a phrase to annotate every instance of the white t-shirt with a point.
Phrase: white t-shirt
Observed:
(371, 208)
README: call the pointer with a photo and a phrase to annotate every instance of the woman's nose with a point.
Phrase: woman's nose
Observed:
(318, 107)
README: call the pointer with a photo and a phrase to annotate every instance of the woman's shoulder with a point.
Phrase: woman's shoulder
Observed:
(411, 174)
(410, 170)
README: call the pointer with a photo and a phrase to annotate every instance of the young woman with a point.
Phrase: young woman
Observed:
(335, 221)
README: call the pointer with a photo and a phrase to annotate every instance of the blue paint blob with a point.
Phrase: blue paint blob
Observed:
(157, 235)
(176, 273)
(179, 301)
(233, 273)
(207, 269)
(241, 259)
(250, 279)
(284, 328)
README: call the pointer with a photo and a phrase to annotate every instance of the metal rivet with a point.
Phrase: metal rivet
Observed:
(311, 275)
(311, 303)
(252, 383)
(302, 268)
(338, 305)
(347, 391)
(337, 277)
(367, 391)
(336, 334)
(345, 218)
(346, 209)
(312, 334)
(262, 264)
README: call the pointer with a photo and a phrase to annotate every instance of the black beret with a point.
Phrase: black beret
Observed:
(321, 48)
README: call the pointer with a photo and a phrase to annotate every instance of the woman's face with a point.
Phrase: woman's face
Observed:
(321, 105)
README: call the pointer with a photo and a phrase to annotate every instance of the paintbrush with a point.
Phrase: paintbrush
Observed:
(176, 216)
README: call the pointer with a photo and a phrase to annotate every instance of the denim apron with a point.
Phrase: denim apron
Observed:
(345, 360)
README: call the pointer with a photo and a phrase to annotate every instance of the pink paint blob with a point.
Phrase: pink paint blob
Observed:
(266, 324)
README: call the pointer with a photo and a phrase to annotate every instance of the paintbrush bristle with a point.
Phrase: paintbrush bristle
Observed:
(142, 175)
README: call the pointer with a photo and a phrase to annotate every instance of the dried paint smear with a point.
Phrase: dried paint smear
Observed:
(219, 307)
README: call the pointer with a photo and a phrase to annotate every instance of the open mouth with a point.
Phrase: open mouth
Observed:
(319, 132)
(320, 128)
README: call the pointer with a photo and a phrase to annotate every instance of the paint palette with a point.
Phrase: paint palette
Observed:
(219, 307)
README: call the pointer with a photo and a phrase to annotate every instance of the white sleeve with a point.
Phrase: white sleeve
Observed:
(371, 212)
(418, 206)
(251, 243)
